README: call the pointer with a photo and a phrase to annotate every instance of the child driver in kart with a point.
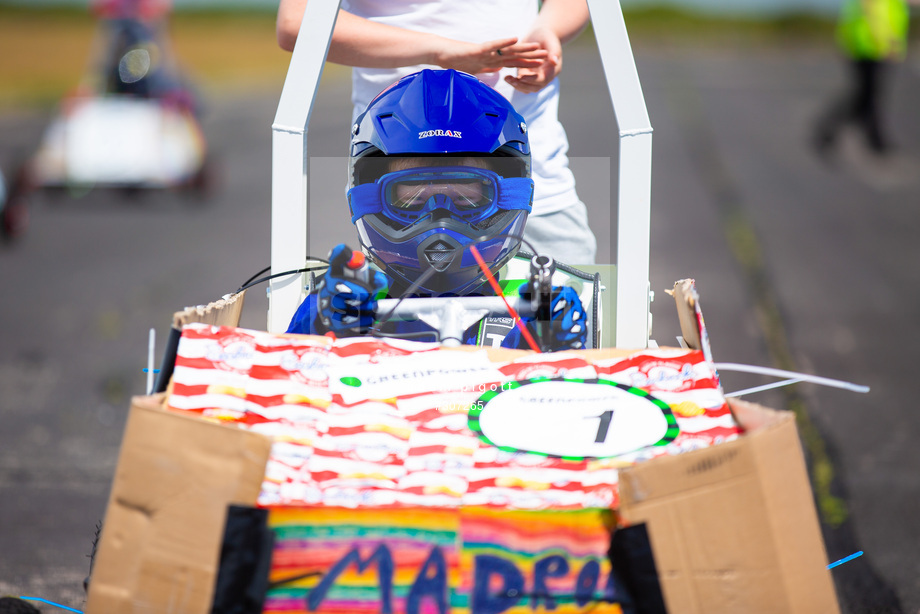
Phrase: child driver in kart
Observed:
(439, 162)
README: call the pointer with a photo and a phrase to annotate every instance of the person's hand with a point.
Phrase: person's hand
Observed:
(533, 78)
(347, 297)
(490, 56)
(568, 320)
(567, 327)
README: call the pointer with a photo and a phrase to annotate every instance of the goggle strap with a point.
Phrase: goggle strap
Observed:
(515, 193)
(364, 200)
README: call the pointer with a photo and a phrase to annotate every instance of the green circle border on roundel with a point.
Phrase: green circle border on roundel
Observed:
(478, 406)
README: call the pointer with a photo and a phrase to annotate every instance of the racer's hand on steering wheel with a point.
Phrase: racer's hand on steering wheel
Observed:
(567, 326)
(568, 321)
(347, 295)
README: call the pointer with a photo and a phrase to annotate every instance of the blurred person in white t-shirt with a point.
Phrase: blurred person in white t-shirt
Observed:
(513, 45)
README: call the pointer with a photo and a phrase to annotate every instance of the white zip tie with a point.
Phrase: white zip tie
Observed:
(794, 378)
(151, 345)
(741, 393)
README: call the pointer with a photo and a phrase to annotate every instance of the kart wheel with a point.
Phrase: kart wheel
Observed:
(14, 214)
(132, 193)
(12, 605)
(14, 218)
(92, 557)
(201, 185)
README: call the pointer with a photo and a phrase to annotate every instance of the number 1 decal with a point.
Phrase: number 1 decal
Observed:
(559, 414)
(603, 426)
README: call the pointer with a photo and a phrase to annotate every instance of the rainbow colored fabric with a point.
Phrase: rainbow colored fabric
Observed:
(440, 560)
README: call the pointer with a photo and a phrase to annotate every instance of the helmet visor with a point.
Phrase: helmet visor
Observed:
(412, 190)
(467, 193)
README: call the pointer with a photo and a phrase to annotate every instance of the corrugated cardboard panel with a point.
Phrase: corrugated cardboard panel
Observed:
(704, 557)
(733, 527)
(685, 297)
(162, 531)
(225, 311)
(672, 475)
(793, 520)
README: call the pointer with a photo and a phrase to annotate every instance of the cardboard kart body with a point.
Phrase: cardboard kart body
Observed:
(732, 528)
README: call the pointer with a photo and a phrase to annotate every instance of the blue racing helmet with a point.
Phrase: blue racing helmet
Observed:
(439, 162)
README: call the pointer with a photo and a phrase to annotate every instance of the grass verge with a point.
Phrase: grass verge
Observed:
(44, 53)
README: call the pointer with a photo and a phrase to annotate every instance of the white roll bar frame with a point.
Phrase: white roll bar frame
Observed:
(290, 167)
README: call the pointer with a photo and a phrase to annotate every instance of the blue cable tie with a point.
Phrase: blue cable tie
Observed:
(146, 370)
(57, 605)
(845, 559)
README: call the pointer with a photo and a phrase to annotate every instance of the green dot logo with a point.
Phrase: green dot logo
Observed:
(351, 381)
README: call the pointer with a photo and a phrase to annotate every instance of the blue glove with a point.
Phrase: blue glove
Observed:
(567, 326)
(347, 294)
(569, 322)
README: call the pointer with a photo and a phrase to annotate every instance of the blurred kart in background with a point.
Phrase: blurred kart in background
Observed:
(133, 123)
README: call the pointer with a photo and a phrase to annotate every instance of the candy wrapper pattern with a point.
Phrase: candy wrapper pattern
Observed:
(389, 423)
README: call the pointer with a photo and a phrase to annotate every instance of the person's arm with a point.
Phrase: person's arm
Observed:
(558, 22)
(565, 18)
(361, 42)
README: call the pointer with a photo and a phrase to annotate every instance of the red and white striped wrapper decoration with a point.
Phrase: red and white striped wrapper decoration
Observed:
(386, 423)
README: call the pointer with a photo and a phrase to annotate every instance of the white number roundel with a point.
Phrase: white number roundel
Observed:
(572, 418)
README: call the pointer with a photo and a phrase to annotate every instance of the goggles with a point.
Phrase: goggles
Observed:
(469, 194)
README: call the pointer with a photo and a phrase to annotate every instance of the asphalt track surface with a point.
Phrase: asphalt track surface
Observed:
(800, 264)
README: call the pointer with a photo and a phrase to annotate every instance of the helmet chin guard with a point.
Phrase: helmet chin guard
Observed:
(441, 253)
